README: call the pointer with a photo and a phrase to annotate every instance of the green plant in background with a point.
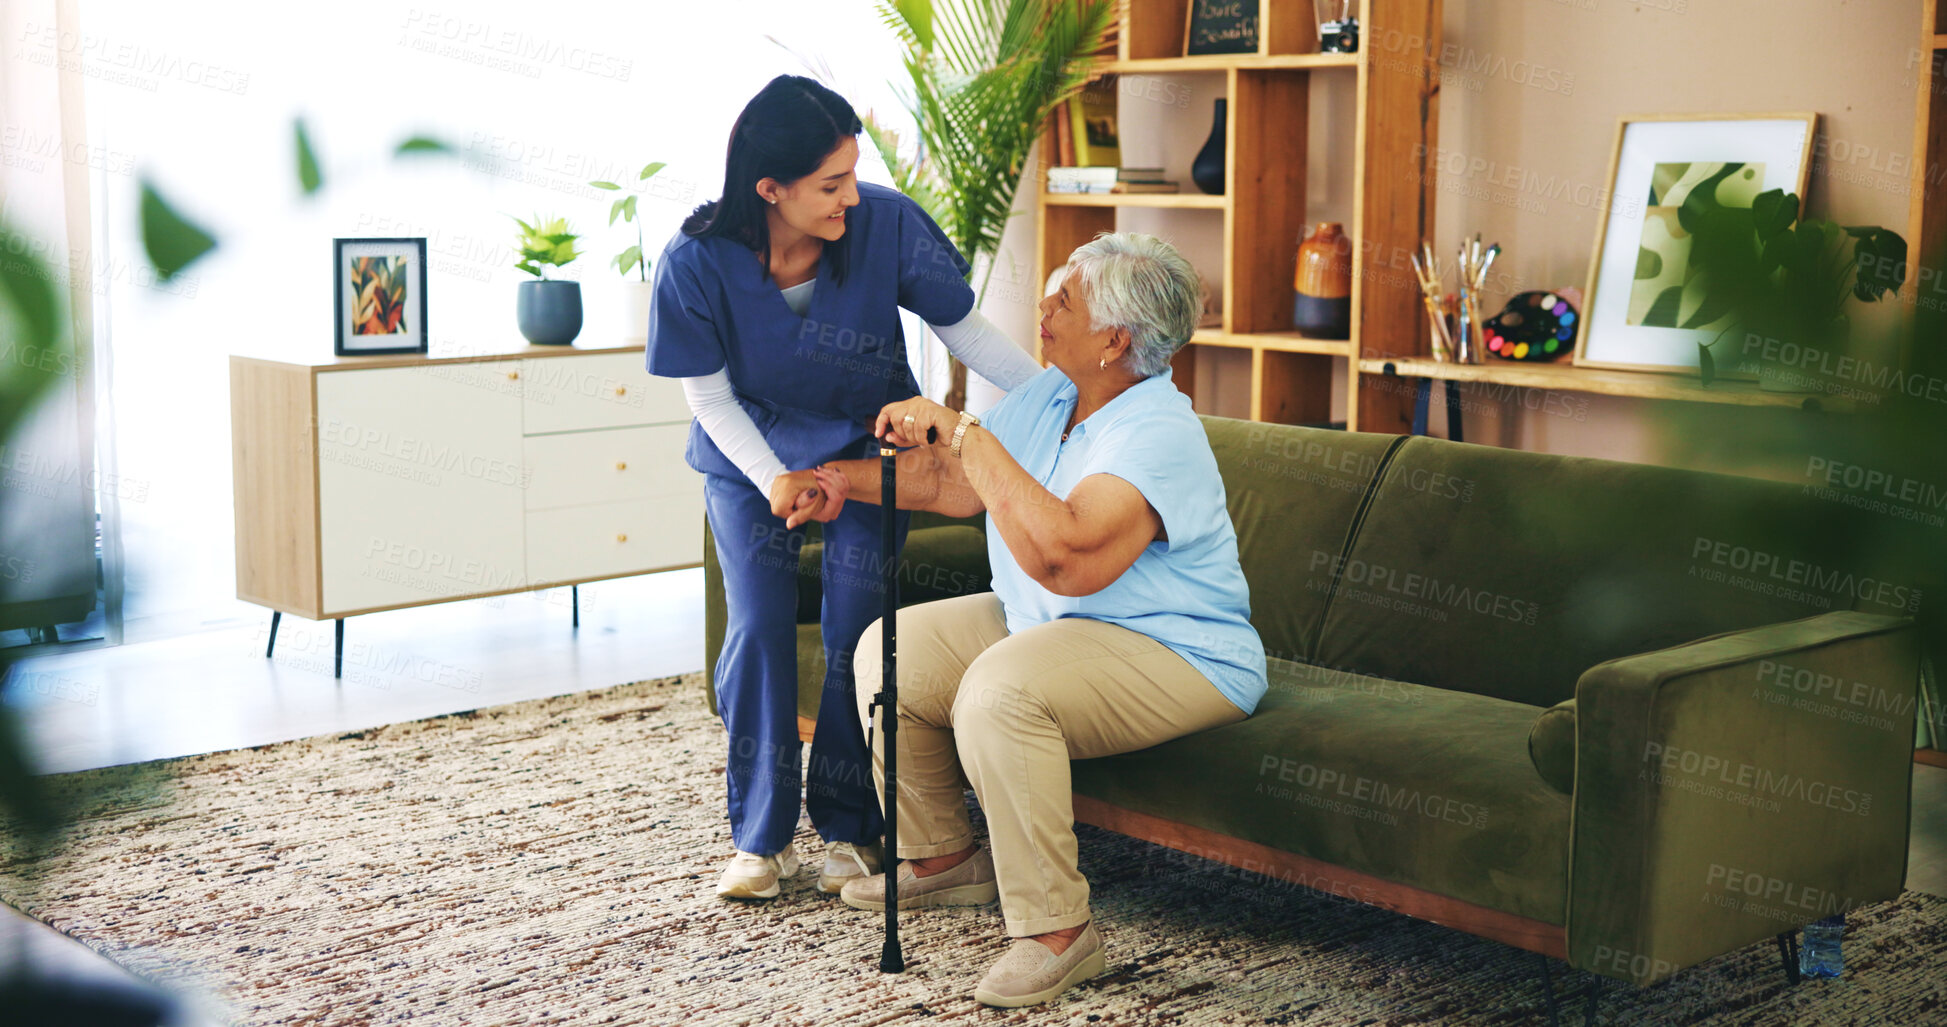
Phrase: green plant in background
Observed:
(1784, 279)
(545, 244)
(984, 76)
(624, 208)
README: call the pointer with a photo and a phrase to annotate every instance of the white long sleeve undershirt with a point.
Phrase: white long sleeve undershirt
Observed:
(973, 339)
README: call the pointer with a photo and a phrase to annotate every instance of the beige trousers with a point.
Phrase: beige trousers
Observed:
(1005, 713)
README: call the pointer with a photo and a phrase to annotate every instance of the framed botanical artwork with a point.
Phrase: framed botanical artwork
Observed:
(1645, 307)
(379, 296)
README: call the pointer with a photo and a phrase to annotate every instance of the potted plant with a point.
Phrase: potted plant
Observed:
(984, 78)
(637, 291)
(1783, 281)
(549, 311)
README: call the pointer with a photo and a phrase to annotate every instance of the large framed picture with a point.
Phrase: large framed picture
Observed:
(1644, 309)
(379, 296)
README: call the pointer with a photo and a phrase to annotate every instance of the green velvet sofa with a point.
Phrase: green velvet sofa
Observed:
(1628, 716)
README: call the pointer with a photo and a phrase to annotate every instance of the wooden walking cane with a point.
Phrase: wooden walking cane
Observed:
(891, 960)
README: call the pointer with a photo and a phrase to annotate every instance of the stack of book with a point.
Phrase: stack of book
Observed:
(1109, 180)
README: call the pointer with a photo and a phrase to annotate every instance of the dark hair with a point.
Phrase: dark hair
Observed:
(785, 132)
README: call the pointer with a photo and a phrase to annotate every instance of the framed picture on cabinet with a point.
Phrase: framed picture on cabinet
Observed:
(1645, 308)
(379, 296)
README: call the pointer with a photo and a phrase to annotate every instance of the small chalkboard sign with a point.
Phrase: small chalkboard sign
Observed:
(1221, 26)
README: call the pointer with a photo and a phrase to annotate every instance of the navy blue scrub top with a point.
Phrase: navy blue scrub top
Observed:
(814, 384)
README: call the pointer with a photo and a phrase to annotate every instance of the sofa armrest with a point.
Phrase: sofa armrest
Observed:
(1736, 787)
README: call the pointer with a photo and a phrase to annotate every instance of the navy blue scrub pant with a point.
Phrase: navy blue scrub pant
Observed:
(757, 673)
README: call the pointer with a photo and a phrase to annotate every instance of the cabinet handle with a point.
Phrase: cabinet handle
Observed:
(621, 465)
(513, 374)
(622, 536)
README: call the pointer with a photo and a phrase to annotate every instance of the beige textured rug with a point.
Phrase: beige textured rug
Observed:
(554, 862)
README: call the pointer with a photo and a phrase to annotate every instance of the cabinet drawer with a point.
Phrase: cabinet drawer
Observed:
(607, 539)
(582, 467)
(419, 487)
(605, 390)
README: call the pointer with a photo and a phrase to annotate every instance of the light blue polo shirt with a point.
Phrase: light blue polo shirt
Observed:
(1188, 593)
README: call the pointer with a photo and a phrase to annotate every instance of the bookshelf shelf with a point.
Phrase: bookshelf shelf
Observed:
(1183, 201)
(1567, 378)
(1226, 62)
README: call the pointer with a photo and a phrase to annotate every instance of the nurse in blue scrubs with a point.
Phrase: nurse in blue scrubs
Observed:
(778, 307)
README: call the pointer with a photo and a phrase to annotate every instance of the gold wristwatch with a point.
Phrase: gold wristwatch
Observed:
(967, 420)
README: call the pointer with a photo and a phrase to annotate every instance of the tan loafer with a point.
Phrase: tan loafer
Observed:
(1029, 973)
(971, 883)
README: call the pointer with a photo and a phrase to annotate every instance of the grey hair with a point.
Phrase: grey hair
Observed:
(1139, 283)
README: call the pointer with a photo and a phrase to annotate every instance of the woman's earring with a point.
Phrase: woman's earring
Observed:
(1102, 363)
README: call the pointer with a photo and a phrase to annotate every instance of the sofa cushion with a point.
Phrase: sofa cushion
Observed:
(937, 563)
(1509, 574)
(1290, 490)
(1551, 746)
(1422, 786)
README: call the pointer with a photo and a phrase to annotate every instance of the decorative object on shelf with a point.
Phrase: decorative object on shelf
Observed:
(1439, 305)
(1471, 268)
(1220, 26)
(548, 311)
(1340, 34)
(1647, 308)
(1207, 170)
(1092, 124)
(1782, 283)
(1322, 287)
(1143, 180)
(379, 295)
(1534, 325)
(639, 291)
(1109, 180)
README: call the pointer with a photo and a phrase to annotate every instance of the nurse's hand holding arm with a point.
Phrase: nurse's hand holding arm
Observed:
(728, 426)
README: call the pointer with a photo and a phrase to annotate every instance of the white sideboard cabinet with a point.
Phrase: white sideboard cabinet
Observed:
(380, 482)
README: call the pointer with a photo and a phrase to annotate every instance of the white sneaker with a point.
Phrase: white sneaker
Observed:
(751, 876)
(844, 862)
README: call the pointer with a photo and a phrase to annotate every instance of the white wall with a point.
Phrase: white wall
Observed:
(539, 99)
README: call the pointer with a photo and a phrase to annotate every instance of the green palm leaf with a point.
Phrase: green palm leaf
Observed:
(982, 78)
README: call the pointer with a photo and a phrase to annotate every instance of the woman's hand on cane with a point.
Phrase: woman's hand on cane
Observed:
(915, 422)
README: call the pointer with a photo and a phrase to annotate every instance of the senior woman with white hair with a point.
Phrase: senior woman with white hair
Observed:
(1120, 618)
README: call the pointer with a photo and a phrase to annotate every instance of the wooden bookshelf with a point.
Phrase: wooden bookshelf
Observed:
(1263, 204)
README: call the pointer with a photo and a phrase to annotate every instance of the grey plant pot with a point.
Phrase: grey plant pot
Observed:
(549, 313)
